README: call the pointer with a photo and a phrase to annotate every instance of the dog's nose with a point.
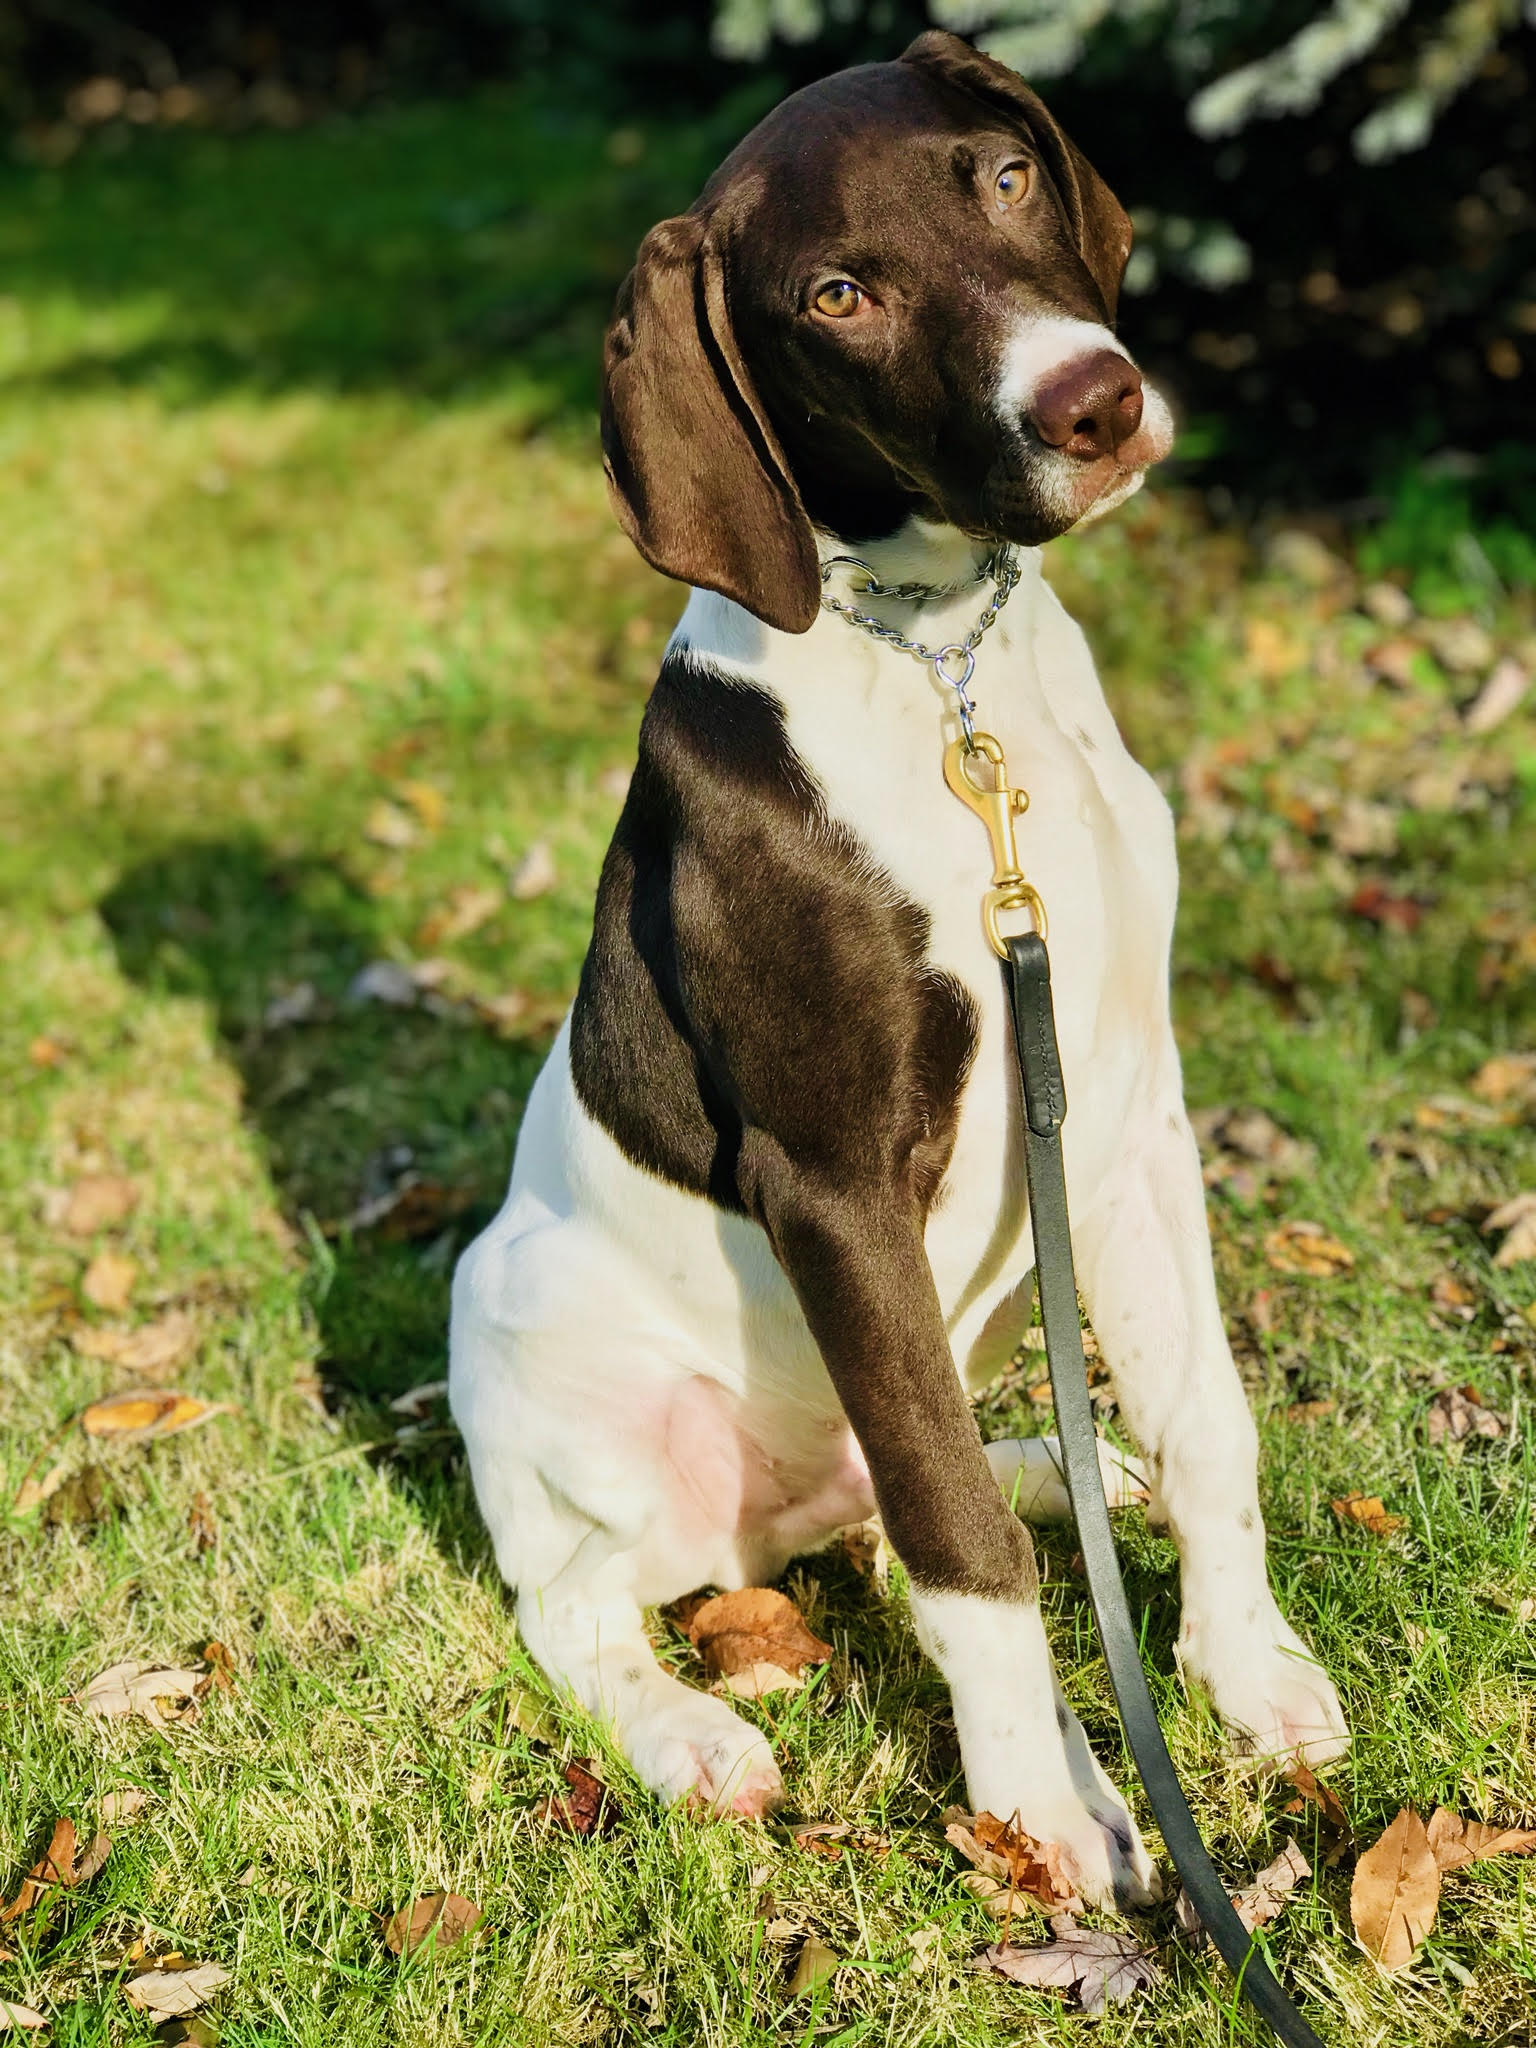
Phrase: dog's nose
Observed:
(1089, 407)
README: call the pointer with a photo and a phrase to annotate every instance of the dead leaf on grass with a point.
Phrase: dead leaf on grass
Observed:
(1302, 1247)
(427, 801)
(1102, 1968)
(133, 1688)
(588, 1809)
(62, 1865)
(535, 874)
(19, 2016)
(1310, 1792)
(1458, 1412)
(1368, 1510)
(1396, 1892)
(1518, 1218)
(125, 1804)
(98, 1202)
(440, 1917)
(146, 1417)
(1507, 1077)
(153, 1347)
(468, 907)
(387, 825)
(813, 1965)
(33, 1492)
(1259, 1903)
(1036, 1871)
(831, 1837)
(165, 1994)
(734, 1631)
(1311, 1411)
(202, 1525)
(1451, 1294)
(1457, 1842)
(757, 1681)
(1377, 905)
(108, 1281)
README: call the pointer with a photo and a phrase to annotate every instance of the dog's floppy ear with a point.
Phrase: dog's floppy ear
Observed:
(1100, 224)
(695, 472)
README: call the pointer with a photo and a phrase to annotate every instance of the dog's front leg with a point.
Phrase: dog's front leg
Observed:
(1147, 1277)
(855, 1257)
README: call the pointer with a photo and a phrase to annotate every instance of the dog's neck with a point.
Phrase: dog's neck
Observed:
(920, 551)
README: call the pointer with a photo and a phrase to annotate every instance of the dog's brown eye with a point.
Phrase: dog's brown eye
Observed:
(839, 298)
(1011, 184)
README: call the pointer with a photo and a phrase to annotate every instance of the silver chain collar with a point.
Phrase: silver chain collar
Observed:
(955, 664)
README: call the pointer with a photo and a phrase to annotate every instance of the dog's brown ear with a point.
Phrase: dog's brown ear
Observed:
(1100, 224)
(695, 472)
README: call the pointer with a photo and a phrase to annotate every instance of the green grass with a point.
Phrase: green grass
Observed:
(300, 504)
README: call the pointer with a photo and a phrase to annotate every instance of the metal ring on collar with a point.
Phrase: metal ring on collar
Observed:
(947, 657)
(871, 580)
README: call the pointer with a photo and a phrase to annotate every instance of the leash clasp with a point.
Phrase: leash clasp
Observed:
(997, 809)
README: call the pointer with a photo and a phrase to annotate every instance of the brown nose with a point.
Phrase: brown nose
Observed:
(1089, 407)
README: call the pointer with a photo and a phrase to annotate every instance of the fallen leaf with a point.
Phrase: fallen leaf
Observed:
(1033, 1870)
(166, 1994)
(127, 1803)
(734, 1631)
(589, 1809)
(813, 1965)
(1459, 644)
(153, 1347)
(387, 825)
(427, 801)
(1448, 1291)
(1394, 660)
(1457, 1842)
(33, 1492)
(131, 1688)
(535, 874)
(441, 1917)
(1301, 1247)
(53, 1869)
(756, 1681)
(109, 1280)
(19, 2016)
(98, 1202)
(1455, 1112)
(202, 1527)
(1100, 1967)
(1259, 1903)
(1368, 1510)
(925, 1944)
(1310, 1411)
(1374, 902)
(1323, 1797)
(91, 1858)
(220, 1675)
(140, 1418)
(1396, 1892)
(1456, 1412)
(831, 1837)
(418, 1402)
(1507, 1077)
(1501, 694)
(1518, 1218)
(468, 907)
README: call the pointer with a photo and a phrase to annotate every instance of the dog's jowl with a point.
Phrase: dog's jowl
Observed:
(767, 1220)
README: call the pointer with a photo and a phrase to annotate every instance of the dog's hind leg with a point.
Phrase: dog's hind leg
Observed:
(1147, 1277)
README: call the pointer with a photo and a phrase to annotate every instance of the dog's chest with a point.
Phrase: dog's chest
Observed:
(870, 723)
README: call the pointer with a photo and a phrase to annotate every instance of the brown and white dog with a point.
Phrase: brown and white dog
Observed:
(767, 1221)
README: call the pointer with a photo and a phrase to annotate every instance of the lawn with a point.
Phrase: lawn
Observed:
(321, 651)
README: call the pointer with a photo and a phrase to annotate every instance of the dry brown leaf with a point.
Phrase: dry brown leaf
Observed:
(1396, 1892)
(202, 1525)
(165, 1994)
(1377, 905)
(588, 1809)
(127, 1803)
(427, 801)
(1301, 1247)
(1310, 1411)
(97, 1202)
(220, 1675)
(813, 1965)
(33, 1492)
(1038, 1872)
(47, 1052)
(1367, 1509)
(757, 1681)
(1449, 1292)
(1457, 1412)
(440, 1917)
(1507, 1077)
(1323, 1797)
(139, 1418)
(19, 2016)
(1100, 1967)
(1457, 1842)
(1256, 1904)
(1518, 1217)
(153, 1347)
(91, 1858)
(468, 907)
(1499, 696)
(108, 1281)
(63, 1864)
(387, 825)
(131, 1688)
(831, 1837)
(734, 1631)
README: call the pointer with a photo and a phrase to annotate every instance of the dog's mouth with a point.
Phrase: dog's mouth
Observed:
(1036, 492)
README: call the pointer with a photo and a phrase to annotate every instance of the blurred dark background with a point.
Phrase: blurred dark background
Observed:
(1339, 287)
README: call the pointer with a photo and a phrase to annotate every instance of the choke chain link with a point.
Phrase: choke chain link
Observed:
(954, 664)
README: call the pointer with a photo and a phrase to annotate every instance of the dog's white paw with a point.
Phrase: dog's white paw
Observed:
(1269, 1689)
(1029, 1471)
(696, 1749)
(1071, 1802)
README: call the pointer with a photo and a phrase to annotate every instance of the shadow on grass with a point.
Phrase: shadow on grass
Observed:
(343, 1104)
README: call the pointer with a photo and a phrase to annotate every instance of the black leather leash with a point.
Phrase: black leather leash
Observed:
(1027, 971)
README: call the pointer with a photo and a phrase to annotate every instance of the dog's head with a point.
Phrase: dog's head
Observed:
(893, 298)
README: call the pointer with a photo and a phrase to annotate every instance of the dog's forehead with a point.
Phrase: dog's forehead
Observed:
(834, 146)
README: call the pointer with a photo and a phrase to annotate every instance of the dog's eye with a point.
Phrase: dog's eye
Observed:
(839, 298)
(1011, 184)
